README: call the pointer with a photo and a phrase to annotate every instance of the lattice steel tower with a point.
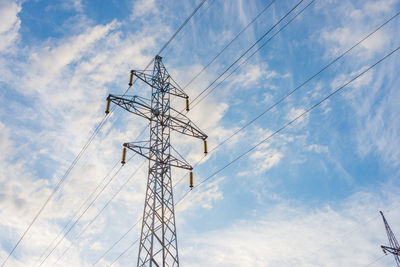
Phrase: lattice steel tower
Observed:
(158, 242)
(394, 245)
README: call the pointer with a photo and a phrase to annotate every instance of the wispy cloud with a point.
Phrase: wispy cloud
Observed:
(290, 234)
(143, 8)
(53, 93)
(9, 24)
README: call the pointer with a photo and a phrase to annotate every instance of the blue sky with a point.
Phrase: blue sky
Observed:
(309, 196)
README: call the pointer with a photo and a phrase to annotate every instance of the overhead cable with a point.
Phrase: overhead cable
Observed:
(251, 47)
(184, 32)
(82, 213)
(298, 117)
(236, 132)
(305, 82)
(294, 90)
(301, 115)
(228, 44)
(116, 242)
(57, 187)
(73, 217)
(123, 252)
(87, 226)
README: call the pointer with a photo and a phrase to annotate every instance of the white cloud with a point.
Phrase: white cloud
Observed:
(65, 83)
(206, 114)
(271, 74)
(204, 196)
(143, 8)
(255, 75)
(342, 38)
(266, 159)
(292, 234)
(76, 4)
(62, 54)
(243, 173)
(267, 98)
(318, 148)
(67, 79)
(355, 24)
(294, 113)
(381, 6)
(9, 23)
(377, 127)
(5, 143)
(252, 74)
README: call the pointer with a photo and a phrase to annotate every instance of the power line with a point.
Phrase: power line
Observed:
(221, 51)
(304, 83)
(184, 32)
(236, 132)
(123, 252)
(227, 45)
(168, 42)
(87, 208)
(116, 242)
(251, 47)
(57, 187)
(298, 117)
(100, 211)
(104, 119)
(82, 213)
(80, 208)
(294, 90)
(99, 126)
(292, 121)
(126, 233)
(245, 53)
(87, 199)
(376, 260)
(322, 69)
(245, 61)
(232, 40)
(181, 27)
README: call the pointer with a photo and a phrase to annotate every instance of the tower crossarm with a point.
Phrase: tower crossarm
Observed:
(167, 82)
(134, 104)
(390, 250)
(139, 106)
(182, 124)
(142, 148)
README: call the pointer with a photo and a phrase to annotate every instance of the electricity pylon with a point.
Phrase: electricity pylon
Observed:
(158, 242)
(394, 245)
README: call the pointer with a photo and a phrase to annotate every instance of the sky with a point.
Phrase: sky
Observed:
(309, 195)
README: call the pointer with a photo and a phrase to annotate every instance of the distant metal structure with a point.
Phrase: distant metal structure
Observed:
(394, 245)
(158, 240)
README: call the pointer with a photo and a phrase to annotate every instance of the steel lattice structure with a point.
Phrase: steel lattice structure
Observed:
(394, 248)
(158, 240)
